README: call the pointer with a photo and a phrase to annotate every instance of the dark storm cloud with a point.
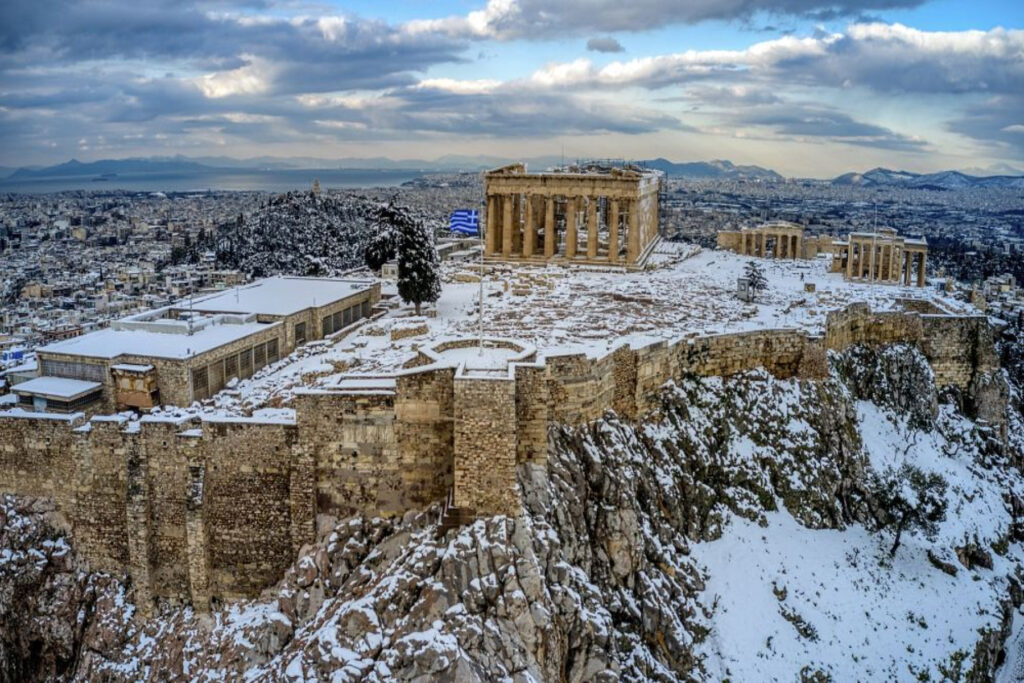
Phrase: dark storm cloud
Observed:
(802, 121)
(315, 54)
(605, 44)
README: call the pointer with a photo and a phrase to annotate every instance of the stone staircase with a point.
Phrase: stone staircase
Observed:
(452, 517)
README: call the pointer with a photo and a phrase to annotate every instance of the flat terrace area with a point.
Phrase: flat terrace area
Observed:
(572, 310)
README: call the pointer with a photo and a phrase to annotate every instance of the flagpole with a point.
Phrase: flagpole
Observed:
(480, 308)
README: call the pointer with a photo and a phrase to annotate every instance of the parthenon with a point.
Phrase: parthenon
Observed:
(881, 256)
(592, 214)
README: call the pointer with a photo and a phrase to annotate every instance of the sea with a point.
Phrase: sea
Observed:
(216, 179)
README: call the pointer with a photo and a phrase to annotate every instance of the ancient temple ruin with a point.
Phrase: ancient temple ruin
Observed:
(881, 256)
(774, 239)
(592, 214)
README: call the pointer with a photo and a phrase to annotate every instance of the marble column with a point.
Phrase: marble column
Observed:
(908, 263)
(921, 269)
(529, 229)
(571, 208)
(592, 227)
(506, 225)
(492, 224)
(517, 224)
(613, 230)
(633, 234)
(550, 243)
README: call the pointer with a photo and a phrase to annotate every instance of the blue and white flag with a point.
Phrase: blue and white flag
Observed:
(465, 222)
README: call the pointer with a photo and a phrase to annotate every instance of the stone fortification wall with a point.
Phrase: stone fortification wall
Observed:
(486, 445)
(246, 503)
(858, 324)
(627, 380)
(424, 432)
(957, 347)
(217, 509)
(36, 456)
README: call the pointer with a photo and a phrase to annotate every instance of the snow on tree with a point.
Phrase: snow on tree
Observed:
(383, 242)
(908, 498)
(419, 278)
(756, 280)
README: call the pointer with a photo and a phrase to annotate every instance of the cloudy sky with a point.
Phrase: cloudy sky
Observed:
(807, 87)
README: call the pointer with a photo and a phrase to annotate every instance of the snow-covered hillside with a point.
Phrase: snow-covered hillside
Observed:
(732, 534)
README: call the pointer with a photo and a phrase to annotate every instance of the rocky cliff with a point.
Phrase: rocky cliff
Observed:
(731, 534)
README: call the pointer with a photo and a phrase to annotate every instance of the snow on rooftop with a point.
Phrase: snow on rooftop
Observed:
(59, 387)
(279, 295)
(131, 367)
(111, 343)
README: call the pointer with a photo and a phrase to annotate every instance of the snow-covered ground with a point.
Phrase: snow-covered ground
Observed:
(565, 310)
(787, 596)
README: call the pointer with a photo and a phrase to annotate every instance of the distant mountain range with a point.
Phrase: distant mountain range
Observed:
(878, 177)
(943, 180)
(718, 168)
(75, 168)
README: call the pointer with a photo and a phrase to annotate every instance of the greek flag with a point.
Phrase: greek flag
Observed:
(465, 222)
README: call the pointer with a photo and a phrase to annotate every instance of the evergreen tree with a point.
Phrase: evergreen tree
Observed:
(755, 277)
(909, 498)
(419, 278)
(389, 222)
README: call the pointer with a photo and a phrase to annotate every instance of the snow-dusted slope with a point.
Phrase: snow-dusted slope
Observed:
(731, 535)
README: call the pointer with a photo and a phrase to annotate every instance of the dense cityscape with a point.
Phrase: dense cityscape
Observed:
(74, 260)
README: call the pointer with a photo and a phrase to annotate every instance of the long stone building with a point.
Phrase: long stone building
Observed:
(597, 215)
(192, 349)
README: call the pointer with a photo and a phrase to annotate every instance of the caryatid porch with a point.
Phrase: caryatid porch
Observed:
(600, 216)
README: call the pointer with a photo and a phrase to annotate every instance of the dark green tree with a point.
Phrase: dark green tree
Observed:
(908, 498)
(755, 277)
(419, 278)
(389, 222)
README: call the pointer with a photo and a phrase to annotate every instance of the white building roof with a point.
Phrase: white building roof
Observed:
(279, 295)
(57, 387)
(111, 343)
